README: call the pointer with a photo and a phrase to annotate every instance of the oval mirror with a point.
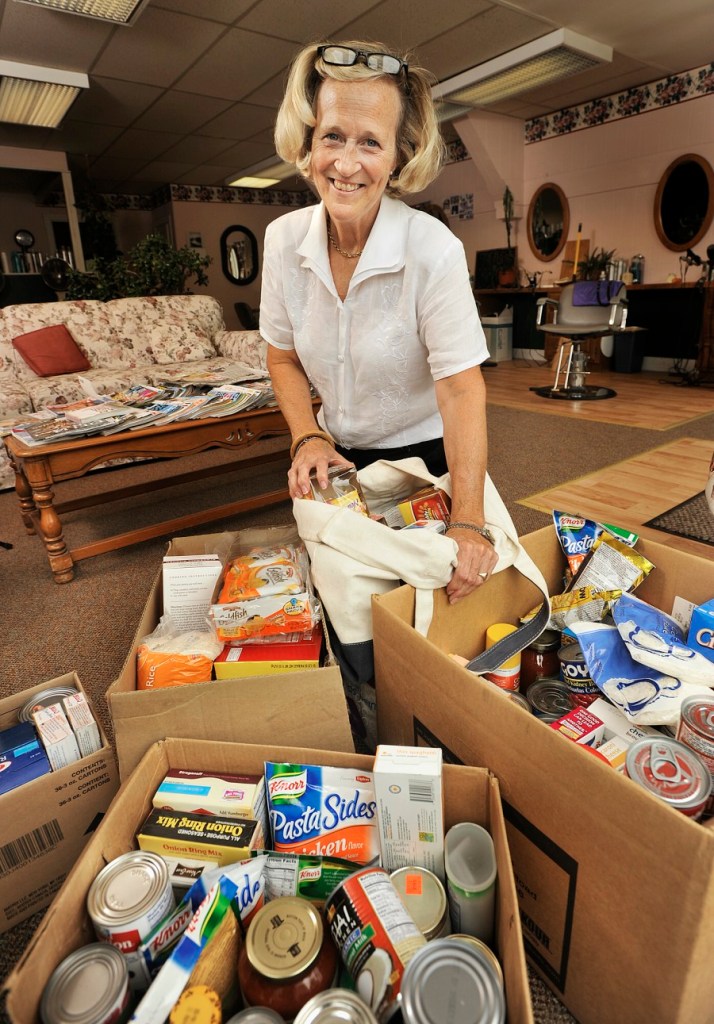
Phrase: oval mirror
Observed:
(239, 254)
(684, 203)
(548, 222)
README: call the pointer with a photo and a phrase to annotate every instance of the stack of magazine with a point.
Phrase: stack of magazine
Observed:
(194, 396)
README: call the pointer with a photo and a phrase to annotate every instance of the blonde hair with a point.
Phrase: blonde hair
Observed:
(420, 147)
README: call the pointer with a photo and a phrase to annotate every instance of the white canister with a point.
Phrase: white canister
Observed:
(471, 872)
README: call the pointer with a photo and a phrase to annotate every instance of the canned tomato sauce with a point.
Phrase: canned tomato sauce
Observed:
(451, 981)
(90, 986)
(575, 674)
(696, 731)
(126, 901)
(376, 936)
(672, 772)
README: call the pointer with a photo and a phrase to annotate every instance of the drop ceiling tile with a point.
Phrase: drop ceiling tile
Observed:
(236, 65)
(181, 112)
(244, 154)
(409, 24)
(225, 11)
(196, 149)
(114, 169)
(270, 94)
(32, 35)
(309, 19)
(147, 145)
(241, 121)
(163, 171)
(111, 101)
(158, 48)
(25, 137)
(85, 137)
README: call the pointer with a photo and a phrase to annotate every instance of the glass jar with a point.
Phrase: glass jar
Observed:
(540, 659)
(287, 956)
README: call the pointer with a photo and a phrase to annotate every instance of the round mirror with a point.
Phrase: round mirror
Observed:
(684, 203)
(239, 254)
(548, 222)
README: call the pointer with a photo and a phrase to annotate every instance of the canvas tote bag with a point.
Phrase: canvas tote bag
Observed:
(352, 557)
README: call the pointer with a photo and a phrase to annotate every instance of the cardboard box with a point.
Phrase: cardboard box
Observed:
(470, 794)
(616, 889)
(46, 822)
(306, 708)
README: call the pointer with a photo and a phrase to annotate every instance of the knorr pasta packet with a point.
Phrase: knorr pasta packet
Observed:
(297, 874)
(577, 536)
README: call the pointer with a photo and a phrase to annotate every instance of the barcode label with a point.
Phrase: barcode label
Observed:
(421, 792)
(31, 845)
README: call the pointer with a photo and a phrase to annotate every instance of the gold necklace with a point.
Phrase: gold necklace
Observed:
(342, 252)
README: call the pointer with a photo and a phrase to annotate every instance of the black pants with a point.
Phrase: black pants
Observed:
(432, 452)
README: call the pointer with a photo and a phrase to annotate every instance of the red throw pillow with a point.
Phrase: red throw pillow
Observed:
(51, 351)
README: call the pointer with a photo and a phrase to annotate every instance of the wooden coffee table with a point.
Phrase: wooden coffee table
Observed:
(39, 467)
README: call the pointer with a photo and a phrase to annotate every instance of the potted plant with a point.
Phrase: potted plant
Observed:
(595, 265)
(507, 274)
(152, 267)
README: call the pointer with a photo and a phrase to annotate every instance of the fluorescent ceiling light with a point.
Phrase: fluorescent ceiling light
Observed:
(38, 96)
(263, 174)
(119, 12)
(540, 62)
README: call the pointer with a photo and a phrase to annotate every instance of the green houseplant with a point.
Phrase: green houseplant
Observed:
(507, 274)
(595, 264)
(152, 267)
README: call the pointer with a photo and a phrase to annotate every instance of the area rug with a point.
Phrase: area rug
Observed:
(691, 518)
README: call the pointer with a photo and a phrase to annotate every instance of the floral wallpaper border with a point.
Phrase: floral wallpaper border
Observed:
(687, 85)
(195, 194)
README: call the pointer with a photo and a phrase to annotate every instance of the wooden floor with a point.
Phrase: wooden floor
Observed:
(631, 492)
(649, 400)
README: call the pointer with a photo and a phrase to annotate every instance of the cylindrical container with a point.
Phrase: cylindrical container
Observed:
(672, 772)
(470, 862)
(540, 659)
(519, 699)
(287, 956)
(637, 268)
(576, 675)
(375, 934)
(126, 901)
(197, 1004)
(90, 986)
(484, 950)
(508, 674)
(43, 699)
(448, 981)
(337, 1006)
(424, 897)
(696, 731)
(256, 1015)
(549, 699)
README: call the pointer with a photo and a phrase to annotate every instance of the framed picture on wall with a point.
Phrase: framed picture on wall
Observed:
(195, 240)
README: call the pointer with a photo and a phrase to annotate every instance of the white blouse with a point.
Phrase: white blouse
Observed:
(409, 319)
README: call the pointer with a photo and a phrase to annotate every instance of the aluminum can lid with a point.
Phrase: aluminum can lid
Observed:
(127, 888)
(449, 980)
(670, 770)
(335, 1006)
(90, 986)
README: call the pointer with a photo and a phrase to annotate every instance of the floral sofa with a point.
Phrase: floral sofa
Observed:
(126, 341)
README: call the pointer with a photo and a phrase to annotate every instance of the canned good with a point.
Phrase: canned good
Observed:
(337, 1006)
(549, 699)
(540, 659)
(424, 896)
(671, 771)
(508, 674)
(696, 731)
(126, 901)
(519, 699)
(375, 934)
(90, 986)
(287, 956)
(43, 699)
(484, 950)
(256, 1015)
(451, 981)
(576, 675)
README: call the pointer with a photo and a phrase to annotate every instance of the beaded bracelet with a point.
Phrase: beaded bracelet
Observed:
(302, 438)
(483, 530)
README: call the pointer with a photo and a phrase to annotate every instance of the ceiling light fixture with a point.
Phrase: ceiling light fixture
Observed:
(118, 12)
(263, 174)
(38, 96)
(554, 56)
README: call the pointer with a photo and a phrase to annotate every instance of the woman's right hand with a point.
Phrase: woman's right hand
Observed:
(314, 455)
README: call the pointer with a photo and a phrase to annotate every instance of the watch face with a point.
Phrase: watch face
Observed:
(24, 238)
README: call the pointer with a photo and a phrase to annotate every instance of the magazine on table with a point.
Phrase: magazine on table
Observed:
(233, 373)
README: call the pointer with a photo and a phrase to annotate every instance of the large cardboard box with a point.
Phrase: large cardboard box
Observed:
(616, 889)
(303, 708)
(46, 822)
(471, 794)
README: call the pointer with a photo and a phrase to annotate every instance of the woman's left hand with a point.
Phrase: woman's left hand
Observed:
(475, 562)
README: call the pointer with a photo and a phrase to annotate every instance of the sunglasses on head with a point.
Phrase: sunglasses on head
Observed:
(345, 56)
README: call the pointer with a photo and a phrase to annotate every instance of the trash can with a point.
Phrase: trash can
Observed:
(499, 335)
(629, 352)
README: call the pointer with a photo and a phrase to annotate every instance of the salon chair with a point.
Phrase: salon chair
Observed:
(586, 310)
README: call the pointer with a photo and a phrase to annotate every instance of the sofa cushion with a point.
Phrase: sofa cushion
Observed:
(244, 347)
(51, 351)
(175, 338)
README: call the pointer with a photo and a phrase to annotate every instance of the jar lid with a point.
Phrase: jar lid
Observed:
(284, 937)
(549, 640)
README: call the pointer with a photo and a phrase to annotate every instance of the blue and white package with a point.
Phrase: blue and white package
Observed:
(701, 630)
(657, 640)
(645, 696)
(22, 758)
